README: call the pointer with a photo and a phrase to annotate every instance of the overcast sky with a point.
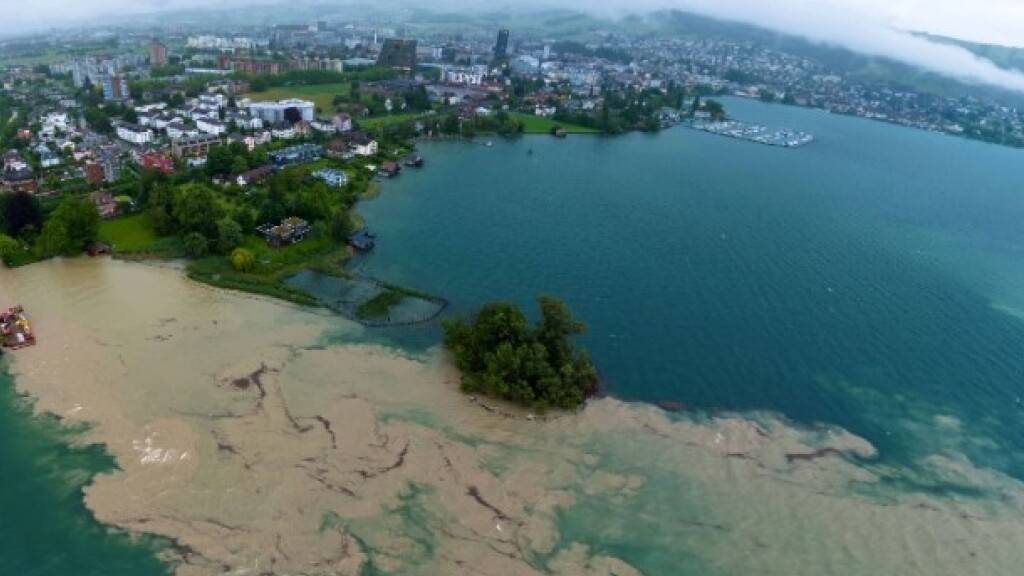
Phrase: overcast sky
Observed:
(875, 27)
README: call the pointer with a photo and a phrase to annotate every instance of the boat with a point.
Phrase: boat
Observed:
(15, 329)
(414, 161)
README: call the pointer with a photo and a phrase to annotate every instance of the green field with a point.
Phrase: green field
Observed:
(321, 94)
(385, 121)
(130, 234)
(540, 125)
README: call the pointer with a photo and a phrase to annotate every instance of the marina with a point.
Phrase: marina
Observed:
(782, 137)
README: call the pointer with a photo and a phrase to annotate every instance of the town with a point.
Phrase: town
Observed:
(245, 148)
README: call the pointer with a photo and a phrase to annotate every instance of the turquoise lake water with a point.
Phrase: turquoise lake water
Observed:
(45, 529)
(869, 280)
(873, 280)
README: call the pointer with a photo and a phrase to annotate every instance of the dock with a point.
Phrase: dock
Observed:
(15, 329)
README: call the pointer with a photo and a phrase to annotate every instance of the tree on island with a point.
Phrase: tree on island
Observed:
(501, 355)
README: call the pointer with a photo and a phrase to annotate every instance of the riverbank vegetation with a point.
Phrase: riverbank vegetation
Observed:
(500, 354)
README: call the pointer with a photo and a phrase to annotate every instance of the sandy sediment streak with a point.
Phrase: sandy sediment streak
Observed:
(257, 447)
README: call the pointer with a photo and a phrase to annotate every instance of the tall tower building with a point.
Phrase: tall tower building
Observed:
(157, 53)
(501, 46)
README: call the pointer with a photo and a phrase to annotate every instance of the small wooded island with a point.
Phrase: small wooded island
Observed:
(500, 354)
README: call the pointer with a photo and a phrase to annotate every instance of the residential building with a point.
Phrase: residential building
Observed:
(17, 175)
(296, 155)
(362, 144)
(157, 53)
(47, 157)
(93, 173)
(251, 66)
(254, 176)
(105, 204)
(291, 111)
(191, 146)
(501, 46)
(115, 87)
(134, 133)
(289, 231)
(177, 129)
(159, 161)
(209, 126)
(335, 178)
(398, 53)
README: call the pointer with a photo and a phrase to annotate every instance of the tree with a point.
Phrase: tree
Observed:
(243, 260)
(72, 226)
(229, 235)
(500, 354)
(239, 165)
(9, 248)
(196, 210)
(715, 108)
(19, 211)
(196, 245)
(219, 160)
(341, 226)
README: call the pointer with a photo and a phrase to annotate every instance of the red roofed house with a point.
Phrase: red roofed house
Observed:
(158, 161)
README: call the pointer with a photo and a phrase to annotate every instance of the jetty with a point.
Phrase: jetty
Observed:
(15, 329)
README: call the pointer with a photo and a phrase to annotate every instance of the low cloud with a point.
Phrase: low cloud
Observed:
(872, 27)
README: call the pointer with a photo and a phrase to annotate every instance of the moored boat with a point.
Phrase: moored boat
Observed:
(15, 329)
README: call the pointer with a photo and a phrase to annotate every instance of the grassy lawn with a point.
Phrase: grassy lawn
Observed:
(540, 125)
(384, 121)
(129, 234)
(132, 236)
(321, 94)
(273, 267)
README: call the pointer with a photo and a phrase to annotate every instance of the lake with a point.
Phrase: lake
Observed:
(871, 279)
(869, 282)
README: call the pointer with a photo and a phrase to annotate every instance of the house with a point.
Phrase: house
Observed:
(338, 148)
(323, 126)
(93, 173)
(283, 132)
(244, 121)
(47, 158)
(158, 161)
(210, 126)
(105, 204)
(362, 144)
(390, 169)
(342, 122)
(296, 155)
(177, 130)
(289, 231)
(253, 140)
(254, 176)
(17, 175)
(193, 145)
(134, 133)
(335, 178)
